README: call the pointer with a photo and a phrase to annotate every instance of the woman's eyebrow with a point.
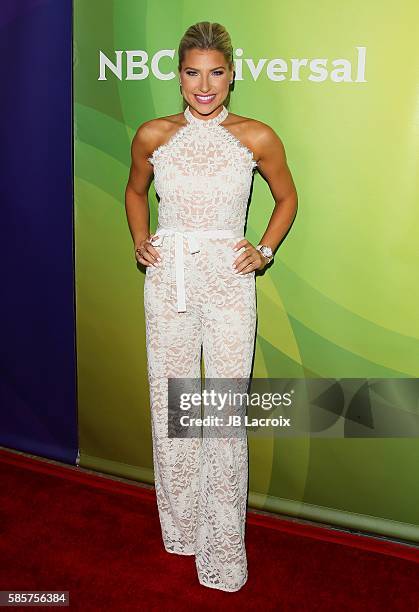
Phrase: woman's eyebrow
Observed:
(192, 68)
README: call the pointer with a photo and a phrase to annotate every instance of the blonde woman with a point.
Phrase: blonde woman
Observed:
(199, 290)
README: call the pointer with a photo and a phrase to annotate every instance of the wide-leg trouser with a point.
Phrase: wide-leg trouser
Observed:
(201, 483)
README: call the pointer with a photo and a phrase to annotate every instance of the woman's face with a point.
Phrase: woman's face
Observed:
(205, 79)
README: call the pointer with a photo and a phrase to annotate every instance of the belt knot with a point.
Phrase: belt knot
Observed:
(192, 237)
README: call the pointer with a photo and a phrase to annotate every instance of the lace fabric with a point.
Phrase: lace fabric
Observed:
(203, 176)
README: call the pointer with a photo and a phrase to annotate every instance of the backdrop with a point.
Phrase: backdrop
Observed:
(38, 410)
(338, 83)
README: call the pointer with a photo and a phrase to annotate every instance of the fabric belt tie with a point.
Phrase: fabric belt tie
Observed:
(192, 236)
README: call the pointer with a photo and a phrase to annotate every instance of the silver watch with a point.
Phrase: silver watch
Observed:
(266, 251)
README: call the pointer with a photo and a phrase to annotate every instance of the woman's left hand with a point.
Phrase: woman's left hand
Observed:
(251, 259)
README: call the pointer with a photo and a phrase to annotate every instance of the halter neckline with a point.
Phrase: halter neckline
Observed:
(190, 118)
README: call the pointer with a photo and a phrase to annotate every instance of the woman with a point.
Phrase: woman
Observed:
(199, 291)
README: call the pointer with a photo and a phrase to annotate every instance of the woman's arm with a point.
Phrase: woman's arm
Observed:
(136, 192)
(272, 164)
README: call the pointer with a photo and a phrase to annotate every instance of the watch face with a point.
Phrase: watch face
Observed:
(266, 251)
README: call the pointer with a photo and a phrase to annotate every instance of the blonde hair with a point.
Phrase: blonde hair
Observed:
(206, 35)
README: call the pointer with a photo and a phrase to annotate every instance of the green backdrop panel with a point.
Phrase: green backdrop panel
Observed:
(341, 292)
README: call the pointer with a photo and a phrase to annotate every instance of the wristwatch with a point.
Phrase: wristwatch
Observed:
(266, 251)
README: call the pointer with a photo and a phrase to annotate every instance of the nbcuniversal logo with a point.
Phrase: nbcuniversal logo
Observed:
(137, 66)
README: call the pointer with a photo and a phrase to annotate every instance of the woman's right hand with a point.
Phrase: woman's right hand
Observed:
(146, 254)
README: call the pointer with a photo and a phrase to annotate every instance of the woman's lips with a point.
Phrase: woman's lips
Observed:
(205, 99)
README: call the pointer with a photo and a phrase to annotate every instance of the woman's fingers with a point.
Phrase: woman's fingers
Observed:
(248, 260)
(152, 250)
(152, 255)
(147, 254)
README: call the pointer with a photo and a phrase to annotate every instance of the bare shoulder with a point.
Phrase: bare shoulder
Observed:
(264, 136)
(256, 135)
(155, 132)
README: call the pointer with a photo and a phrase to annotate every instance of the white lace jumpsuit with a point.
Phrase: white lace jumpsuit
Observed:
(203, 176)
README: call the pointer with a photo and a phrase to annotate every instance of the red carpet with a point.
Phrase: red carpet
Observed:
(64, 529)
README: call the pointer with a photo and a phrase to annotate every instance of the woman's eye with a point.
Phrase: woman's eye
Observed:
(218, 72)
